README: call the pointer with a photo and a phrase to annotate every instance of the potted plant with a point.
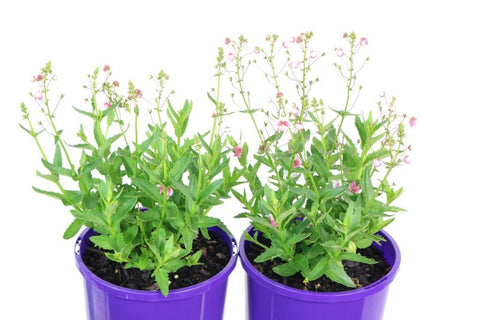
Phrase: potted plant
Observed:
(319, 185)
(144, 201)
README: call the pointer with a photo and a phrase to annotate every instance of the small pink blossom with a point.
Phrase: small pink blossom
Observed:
(279, 94)
(354, 188)
(382, 94)
(106, 67)
(294, 65)
(38, 95)
(116, 83)
(336, 184)
(256, 50)
(313, 54)
(38, 78)
(406, 159)
(299, 126)
(138, 93)
(169, 190)
(292, 40)
(299, 39)
(231, 56)
(377, 163)
(285, 44)
(339, 52)
(412, 121)
(283, 125)
(237, 151)
(227, 41)
(363, 41)
(296, 162)
(294, 111)
(107, 105)
(272, 221)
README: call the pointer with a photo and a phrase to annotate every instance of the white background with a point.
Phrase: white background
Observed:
(423, 52)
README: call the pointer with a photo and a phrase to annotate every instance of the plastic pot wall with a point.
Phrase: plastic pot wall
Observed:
(203, 301)
(270, 300)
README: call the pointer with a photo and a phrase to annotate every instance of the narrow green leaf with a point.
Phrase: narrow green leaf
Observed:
(161, 277)
(335, 272)
(349, 256)
(73, 229)
(287, 269)
(151, 190)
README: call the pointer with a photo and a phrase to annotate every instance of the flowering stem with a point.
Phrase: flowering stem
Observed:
(349, 85)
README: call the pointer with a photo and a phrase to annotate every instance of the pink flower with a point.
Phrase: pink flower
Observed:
(406, 159)
(169, 190)
(363, 41)
(237, 151)
(299, 126)
(256, 50)
(382, 94)
(295, 111)
(296, 162)
(38, 78)
(339, 52)
(283, 125)
(227, 41)
(107, 105)
(272, 221)
(285, 44)
(279, 95)
(313, 54)
(354, 188)
(294, 65)
(377, 163)
(412, 121)
(38, 95)
(138, 93)
(292, 40)
(115, 83)
(299, 39)
(336, 184)
(106, 67)
(231, 56)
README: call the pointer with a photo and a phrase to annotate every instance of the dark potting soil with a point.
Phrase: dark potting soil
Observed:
(215, 256)
(362, 274)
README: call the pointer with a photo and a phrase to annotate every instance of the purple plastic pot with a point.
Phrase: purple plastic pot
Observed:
(203, 301)
(268, 299)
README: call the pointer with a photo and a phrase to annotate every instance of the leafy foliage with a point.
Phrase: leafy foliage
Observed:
(147, 199)
(326, 193)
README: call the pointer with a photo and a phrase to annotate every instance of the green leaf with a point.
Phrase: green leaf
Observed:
(97, 132)
(287, 269)
(57, 160)
(50, 177)
(208, 191)
(102, 241)
(361, 130)
(318, 269)
(161, 277)
(73, 229)
(53, 195)
(268, 254)
(335, 272)
(151, 190)
(88, 114)
(57, 169)
(356, 258)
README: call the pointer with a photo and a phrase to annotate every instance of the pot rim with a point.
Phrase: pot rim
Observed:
(176, 294)
(294, 293)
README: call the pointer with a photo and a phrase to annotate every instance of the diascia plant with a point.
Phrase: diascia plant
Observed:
(147, 198)
(327, 191)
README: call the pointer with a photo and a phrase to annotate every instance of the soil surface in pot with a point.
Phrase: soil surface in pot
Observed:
(362, 274)
(215, 256)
